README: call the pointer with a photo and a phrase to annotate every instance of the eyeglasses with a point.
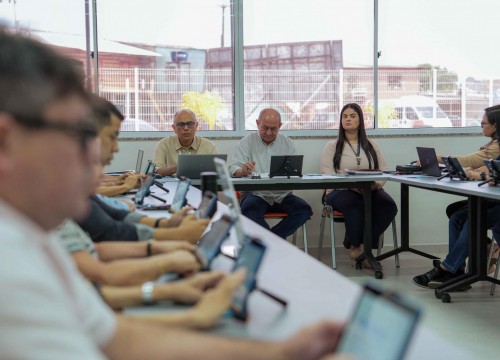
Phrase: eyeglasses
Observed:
(189, 124)
(272, 129)
(83, 131)
(486, 123)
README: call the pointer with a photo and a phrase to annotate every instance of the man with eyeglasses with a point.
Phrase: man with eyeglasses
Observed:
(49, 311)
(184, 141)
(254, 154)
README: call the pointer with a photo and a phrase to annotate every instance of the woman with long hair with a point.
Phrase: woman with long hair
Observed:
(353, 150)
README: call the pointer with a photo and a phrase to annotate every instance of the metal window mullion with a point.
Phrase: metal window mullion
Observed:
(96, 51)
(238, 67)
(375, 64)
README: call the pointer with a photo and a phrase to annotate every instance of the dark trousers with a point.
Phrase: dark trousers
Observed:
(254, 208)
(351, 204)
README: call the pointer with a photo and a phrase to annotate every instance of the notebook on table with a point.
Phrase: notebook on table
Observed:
(191, 166)
(428, 161)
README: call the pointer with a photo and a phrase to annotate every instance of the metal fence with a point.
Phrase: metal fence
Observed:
(307, 99)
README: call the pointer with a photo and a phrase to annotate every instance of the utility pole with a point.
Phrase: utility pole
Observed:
(16, 24)
(223, 7)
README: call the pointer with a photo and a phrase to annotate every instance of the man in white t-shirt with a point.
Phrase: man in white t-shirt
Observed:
(48, 310)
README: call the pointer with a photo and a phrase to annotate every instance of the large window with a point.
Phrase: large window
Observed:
(306, 58)
(439, 62)
(228, 59)
(156, 57)
(63, 29)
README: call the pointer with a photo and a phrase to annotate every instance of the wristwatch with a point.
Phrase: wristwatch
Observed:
(483, 176)
(147, 293)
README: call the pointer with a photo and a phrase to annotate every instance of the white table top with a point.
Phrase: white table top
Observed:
(454, 186)
(313, 290)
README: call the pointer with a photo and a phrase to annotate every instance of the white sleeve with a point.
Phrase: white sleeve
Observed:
(39, 317)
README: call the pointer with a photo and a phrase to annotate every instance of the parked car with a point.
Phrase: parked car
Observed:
(417, 111)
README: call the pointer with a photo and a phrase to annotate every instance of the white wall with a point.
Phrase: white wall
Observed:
(428, 221)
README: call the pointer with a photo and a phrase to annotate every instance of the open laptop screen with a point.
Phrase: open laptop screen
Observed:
(428, 161)
(191, 166)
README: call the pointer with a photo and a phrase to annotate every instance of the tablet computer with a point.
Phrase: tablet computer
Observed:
(144, 189)
(210, 243)
(286, 165)
(180, 195)
(455, 169)
(208, 206)
(249, 258)
(380, 328)
(494, 168)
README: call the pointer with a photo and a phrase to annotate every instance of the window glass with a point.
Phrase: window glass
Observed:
(58, 23)
(304, 59)
(439, 60)
(156, 57)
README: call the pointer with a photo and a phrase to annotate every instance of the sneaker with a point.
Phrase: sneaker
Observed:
(434, 274)
(435, 283)
(436, 263)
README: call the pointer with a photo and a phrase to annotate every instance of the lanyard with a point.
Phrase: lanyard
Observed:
(188, 151)
(357, 153)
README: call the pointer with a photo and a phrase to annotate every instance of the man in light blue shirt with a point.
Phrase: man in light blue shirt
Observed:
(254, 154)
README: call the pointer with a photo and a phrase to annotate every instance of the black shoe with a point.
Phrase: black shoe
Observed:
(431, 275)
(436, 262)
(435, 283)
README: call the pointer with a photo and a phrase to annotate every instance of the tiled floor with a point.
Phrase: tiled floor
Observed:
(471, 320)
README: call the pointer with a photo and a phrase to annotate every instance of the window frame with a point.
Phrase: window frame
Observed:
(237, 45)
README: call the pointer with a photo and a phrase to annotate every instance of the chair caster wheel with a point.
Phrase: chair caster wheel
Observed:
(379, 274)
(445, 298)
(359, 265)
(437, 294)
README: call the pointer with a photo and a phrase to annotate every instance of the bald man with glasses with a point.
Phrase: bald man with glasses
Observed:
(254, 155)
(184, 141)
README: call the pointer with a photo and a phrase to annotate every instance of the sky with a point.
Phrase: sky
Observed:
(459, 35)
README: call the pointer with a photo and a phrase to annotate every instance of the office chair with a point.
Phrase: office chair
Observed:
(338, 216)
(281, 216)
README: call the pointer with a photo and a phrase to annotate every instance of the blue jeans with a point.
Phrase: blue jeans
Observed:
(254, 208)
(351, 204)
(458, 242)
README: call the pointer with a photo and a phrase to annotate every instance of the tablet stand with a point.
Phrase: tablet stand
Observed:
(156, 197)
(159, 185)
(279, 300)
(495, 181)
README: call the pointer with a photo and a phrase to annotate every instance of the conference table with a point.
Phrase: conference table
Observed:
(322, 181)
(477, 199)
(313, 292)
(477, 206)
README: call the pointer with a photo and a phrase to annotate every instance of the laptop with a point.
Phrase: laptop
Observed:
(428, 161)
(138, 165)
(191, 166)
(286, 165)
